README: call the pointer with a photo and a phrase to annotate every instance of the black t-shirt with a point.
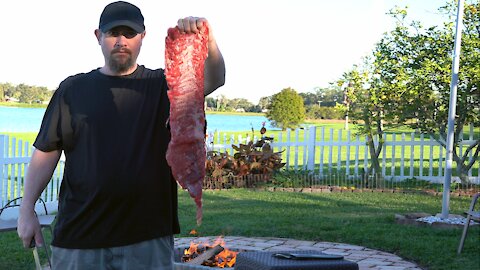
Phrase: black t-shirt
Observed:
(117, 187)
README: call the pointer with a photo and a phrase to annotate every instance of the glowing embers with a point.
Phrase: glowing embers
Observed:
(213, 255)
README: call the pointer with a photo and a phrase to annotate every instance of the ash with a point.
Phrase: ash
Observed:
(450, 220)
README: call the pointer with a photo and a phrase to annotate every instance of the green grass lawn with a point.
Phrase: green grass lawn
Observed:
(365, 219)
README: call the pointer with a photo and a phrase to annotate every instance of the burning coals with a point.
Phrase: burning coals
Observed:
(216, 255)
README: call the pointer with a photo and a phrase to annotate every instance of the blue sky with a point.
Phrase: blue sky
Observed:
(267, 45)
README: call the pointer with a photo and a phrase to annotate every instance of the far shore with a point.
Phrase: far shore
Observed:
(38, 105)
(307, 121)
(22, 105)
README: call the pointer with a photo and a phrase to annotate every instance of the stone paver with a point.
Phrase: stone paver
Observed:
(367, 259)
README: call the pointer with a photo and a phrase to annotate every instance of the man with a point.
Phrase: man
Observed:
(117, 201)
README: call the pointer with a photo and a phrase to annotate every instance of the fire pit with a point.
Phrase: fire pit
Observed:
(248, 246)
(202, 255)
(264, 260)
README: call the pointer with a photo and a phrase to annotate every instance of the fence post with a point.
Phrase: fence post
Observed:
(2, 162)
(3, 169)
(311, 148)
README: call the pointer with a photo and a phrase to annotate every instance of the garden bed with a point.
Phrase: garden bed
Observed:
(434, 221)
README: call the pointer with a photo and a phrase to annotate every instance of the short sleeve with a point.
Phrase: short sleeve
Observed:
(51, 135)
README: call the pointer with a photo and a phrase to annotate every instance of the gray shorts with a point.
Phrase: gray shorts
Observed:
(151, 254)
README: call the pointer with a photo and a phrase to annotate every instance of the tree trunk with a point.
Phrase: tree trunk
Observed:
(462, 168)
(375, 169)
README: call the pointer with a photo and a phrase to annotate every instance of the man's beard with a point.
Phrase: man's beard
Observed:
(120, 64)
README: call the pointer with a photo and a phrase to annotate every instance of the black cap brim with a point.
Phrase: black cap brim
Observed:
(137, 27)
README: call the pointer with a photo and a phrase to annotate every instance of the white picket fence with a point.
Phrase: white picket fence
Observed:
(316, 149)
(14, 158)
(326, 152)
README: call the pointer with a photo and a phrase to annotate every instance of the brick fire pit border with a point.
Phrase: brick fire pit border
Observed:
(365, 258)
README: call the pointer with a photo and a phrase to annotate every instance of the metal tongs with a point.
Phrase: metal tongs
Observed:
(38, 265)
(307, 256)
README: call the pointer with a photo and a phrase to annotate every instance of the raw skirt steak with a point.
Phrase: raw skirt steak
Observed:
(185, 56)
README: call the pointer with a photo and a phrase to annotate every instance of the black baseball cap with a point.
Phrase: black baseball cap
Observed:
(121, 14)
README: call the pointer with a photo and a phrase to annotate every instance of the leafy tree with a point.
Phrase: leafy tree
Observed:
(211, 102)
(25, 93)
(319, 112)
(286, 109)
(376, 92)
(232, 104)
(2, 92)
(222, 102)
(239, 103)
(309, 98)
(8, 89)
(366, 106)
(408, 82)
(418, 64)
(255, 109)
(263, 102)
(329, 97)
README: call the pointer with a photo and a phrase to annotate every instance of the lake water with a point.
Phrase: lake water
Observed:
(13, 119)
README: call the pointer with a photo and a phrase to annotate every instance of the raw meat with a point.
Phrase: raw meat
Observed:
(185, 56)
